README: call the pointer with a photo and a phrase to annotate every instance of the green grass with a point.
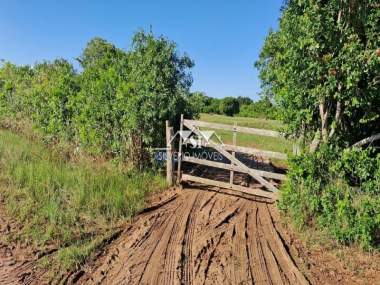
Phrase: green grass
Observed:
(67, 204)
(243, 121)
(261, 142)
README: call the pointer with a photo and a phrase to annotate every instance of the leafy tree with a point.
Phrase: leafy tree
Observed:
(213, 106)
(157, 90)
(200, 102)
(100, 54)
(118, 104)
(99, 106)
(15, 87)
(229, 106)
(323, 67)
(260, 109)
(244, 100)
(53, 85)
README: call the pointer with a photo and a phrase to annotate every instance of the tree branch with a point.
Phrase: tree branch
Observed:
(317, 139)
(338, 117)
(370, 139)
(323, 112)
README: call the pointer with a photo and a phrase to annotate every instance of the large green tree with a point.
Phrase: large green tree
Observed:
(229, 106)
(53, 85)
(15, 89)
(323, 67)
(157, 89)
(99, 111)
(116, 106)
(200, 101)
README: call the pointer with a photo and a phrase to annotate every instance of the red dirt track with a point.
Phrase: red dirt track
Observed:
(198, 237)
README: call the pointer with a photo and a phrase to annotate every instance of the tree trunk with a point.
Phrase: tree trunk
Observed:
(315, 143)
(323, 112)
(337, 120)
(136, 150)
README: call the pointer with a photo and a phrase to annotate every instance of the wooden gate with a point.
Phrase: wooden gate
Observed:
(228, 151)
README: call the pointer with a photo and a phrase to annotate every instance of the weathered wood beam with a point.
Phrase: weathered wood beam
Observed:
(246, 190)
(233, 167)
(180, 151)
(255, 151)
(233, 152)
(169, 154)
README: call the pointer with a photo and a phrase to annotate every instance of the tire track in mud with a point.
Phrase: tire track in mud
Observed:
(199, 237)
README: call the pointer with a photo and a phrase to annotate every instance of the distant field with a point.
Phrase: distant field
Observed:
(261, 142)
(243, 121)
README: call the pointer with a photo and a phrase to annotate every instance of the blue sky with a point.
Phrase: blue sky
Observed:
(222, 37)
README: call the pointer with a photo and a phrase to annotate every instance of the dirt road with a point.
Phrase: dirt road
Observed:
(198, 237)
(16, 262)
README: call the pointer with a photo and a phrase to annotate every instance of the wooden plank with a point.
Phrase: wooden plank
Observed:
(246, 130)
(169, 154)
(257, 152)
(253, 151)
(180, 151)
(233, 167)
(251, 191)
(233, 153)
(237, 162)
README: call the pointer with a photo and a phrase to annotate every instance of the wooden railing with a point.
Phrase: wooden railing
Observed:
(228, 151)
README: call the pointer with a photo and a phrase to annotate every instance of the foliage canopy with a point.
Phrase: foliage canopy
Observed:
(117, 105)
(322, 67)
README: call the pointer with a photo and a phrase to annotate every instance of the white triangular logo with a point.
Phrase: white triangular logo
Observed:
(207, 135)
(185, 134)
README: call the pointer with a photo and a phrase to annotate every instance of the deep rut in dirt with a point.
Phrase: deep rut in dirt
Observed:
(200, 237)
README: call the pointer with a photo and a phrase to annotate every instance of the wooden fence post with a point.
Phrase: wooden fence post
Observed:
(233, 153)
(169, 154)
(179, 155)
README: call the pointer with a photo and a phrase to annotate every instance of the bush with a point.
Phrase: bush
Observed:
(199, 102)
(53, 85)
(116, 106)
(244, 100)
(15, 89)
(260, 109)
(99, 112)
(157, 89)
(229, 106)
(213, 107)
(203, 104)
(66, 203)
(338, 190)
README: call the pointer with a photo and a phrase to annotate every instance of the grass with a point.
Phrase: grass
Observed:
(243, 121)
(261, 142)
(68, 204)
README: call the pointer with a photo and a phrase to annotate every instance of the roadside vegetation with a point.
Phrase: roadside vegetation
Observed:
(86, 167)
(75, 146)
(117, 105)
(231, 106)
(321, 68)
(67, 204)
